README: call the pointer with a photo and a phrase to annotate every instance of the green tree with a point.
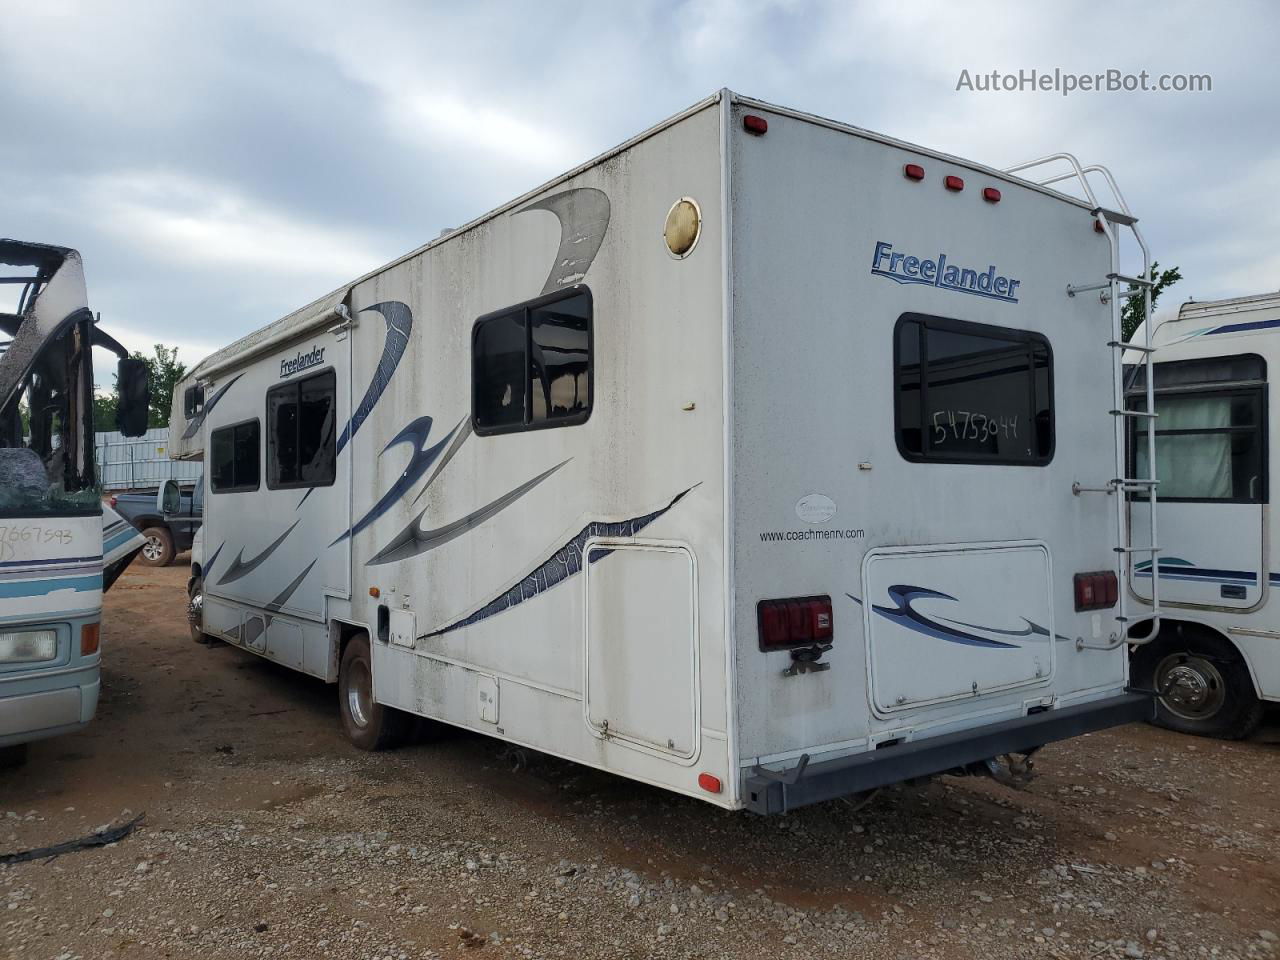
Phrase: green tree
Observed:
(163, 373)
(1131, 316)
(104, 410)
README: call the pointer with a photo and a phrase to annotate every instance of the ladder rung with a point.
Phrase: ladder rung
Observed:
(1133, 281)
(1134, 482)
(1115, 216)
(1134, 413)
(1152, 549)
(1157, 612)
(1130, 346)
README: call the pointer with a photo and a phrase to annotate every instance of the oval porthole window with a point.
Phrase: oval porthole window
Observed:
(683, 227)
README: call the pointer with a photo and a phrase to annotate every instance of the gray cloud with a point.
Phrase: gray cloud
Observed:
(219, 166)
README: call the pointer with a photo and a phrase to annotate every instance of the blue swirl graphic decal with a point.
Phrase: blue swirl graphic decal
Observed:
(198, 420)
(562, 564)
(906, 616)
(399, 320)
(416, 434)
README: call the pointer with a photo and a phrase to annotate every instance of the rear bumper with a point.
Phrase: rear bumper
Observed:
(830, 779)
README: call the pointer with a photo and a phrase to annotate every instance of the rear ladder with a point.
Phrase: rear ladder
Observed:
(1113, 290)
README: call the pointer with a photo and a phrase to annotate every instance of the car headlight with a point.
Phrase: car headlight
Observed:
(28, 646)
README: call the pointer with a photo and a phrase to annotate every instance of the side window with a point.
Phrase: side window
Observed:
(192, 401)
(972, 393)
(234, 457)
(531, 365)
(1211, 440)
(301, 415)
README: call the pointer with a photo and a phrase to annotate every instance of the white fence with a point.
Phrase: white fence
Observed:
(133, 463)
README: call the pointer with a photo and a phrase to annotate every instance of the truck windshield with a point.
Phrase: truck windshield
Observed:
(46, 449)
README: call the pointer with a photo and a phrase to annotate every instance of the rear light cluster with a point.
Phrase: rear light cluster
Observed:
(795, 622)
(913, 171)
(1096, 591)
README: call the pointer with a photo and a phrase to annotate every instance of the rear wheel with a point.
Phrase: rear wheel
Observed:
(1202, 684)
(369, 725)
(157, 550)
(195, 611)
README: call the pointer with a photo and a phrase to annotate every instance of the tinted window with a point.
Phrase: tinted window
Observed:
(300, 432)
(531, 365)
(234, 458)
(560, 349)
(967, 392)
(192, 401)
(498, 372)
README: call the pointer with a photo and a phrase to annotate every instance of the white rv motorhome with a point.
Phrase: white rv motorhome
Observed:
(738, 461)
(1216, 660)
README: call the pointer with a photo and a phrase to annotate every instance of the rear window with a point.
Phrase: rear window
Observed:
(972, 393)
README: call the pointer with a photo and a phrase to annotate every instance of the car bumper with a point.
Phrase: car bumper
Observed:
(767, 792)
(46, 706)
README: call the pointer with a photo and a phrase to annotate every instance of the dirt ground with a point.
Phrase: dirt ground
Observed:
(266, 835)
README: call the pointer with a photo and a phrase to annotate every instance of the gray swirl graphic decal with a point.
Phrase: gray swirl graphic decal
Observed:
(583, 213)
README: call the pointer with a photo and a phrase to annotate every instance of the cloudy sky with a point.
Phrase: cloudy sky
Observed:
(219, 165)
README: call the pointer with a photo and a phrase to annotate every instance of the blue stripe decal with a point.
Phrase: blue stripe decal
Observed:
(116, 541)
(39, 588)
(1238, 327)
(45, 563)
(1174, 568)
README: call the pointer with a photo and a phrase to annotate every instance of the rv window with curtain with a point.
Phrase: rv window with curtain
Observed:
(301, 450)
(1210, 432)
(531, 364)
(972, 393)
(234, 458)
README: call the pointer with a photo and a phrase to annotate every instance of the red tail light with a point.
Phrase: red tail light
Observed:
(991, 194)
(755, 125)
(112, 501)
(953, 183)
(795, 622)
(913, 171)
(1096, 591)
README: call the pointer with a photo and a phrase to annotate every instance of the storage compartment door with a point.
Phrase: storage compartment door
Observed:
(641, 644)
(946, 623)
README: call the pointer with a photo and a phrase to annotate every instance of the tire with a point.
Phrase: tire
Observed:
(1202, 684)
(158, 550)
(12, 757)
(369, 725)
(195, 612)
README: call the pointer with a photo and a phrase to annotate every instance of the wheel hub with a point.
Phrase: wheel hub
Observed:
(152, 549)
(359, 694)
(1190, 686)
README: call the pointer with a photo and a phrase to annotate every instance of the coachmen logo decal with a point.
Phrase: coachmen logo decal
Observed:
(885, 262)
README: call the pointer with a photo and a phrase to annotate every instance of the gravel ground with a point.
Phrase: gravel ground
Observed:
(266, 835)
